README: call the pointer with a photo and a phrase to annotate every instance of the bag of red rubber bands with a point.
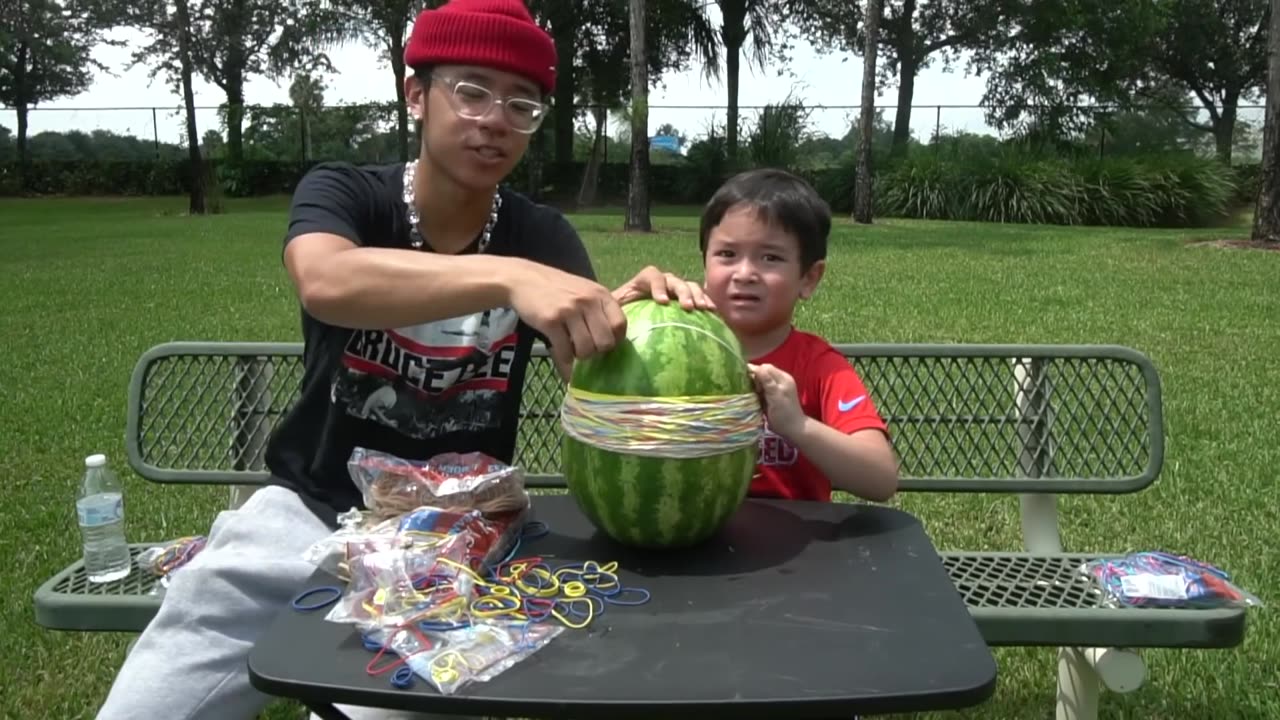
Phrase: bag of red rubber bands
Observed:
(468, 494)
(393, 486)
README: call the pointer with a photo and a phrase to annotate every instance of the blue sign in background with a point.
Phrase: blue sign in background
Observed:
(665, 142)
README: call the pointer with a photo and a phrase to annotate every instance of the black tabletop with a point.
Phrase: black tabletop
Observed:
(795, 609)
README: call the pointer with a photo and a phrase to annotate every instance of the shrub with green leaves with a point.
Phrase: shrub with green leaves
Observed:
(1161, 191)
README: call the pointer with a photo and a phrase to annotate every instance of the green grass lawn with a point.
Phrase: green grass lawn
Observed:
(91, 284)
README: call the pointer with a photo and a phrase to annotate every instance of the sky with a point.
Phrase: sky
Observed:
(828, 79)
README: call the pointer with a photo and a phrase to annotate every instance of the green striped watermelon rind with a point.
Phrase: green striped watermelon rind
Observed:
(691, 498)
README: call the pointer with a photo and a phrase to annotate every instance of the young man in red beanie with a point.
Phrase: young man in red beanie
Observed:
(423, 287)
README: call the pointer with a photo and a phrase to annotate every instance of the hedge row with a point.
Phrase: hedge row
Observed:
(1160, 191)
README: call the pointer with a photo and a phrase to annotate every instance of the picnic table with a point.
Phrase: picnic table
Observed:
(795, 609)
(1032, 425)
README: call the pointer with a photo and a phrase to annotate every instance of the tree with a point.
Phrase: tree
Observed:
(186, 70)
(741, 20)
(382, 25)
(1266, 216)
(46, 53)
(862, 199)
(676, 33)
(232, 40)
(911, 34)
(1056, 58)
(1214, 50)
(306, 92)
(638, 188)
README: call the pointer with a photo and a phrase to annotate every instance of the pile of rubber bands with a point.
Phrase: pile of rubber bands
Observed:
(165, 560)
(448, 593)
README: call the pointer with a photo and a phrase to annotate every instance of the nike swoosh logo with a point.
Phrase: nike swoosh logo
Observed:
(847, 406)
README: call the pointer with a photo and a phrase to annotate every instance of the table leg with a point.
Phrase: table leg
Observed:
(325, 711)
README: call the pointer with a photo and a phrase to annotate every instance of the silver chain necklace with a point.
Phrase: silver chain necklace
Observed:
(415, 237)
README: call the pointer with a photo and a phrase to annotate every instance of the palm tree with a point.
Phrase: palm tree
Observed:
(742, 21)
(1266, 216)
(638, 187)
(862, 200)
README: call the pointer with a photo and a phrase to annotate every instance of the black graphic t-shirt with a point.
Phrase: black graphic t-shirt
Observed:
(448, 386)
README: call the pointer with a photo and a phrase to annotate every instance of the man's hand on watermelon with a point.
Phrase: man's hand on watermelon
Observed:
(662, 286)
(579, 317)
(862, 463)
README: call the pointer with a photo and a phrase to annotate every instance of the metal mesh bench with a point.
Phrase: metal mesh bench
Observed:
(1035, 421)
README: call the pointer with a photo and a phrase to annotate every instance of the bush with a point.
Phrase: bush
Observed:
(1009, 185)
(1174, 191)
(1248, 184)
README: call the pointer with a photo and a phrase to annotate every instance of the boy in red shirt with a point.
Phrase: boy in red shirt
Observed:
(763, 237)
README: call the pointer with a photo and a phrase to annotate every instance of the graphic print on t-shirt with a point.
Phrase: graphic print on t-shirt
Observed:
(775, 451)
(427, 380)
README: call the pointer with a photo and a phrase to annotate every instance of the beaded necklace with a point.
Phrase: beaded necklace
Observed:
(415, 236)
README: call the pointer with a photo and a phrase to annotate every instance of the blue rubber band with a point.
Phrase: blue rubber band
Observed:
(515, 548)
(403, 677)
(612, 598)
(337, 593)
(534, 614)
(370, 644)
(568, 606)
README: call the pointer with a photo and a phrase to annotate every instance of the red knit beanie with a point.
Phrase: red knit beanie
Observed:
(500, 34)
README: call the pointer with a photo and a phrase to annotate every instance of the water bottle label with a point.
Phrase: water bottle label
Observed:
(106, 510)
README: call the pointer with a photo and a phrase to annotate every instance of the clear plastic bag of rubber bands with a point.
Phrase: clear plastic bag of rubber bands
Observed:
(1159, 579)
(406, 584)
(392, 486)
(474, 654)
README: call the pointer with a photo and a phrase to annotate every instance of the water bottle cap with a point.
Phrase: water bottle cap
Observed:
(97, 460)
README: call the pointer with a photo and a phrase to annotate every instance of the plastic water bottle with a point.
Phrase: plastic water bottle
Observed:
(100, 510)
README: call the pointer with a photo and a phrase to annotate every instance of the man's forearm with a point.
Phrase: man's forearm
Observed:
(368, 288)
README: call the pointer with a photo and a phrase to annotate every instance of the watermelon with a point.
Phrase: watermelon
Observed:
(648, 501)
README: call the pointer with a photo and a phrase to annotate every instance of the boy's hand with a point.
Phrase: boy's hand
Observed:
(653, 283)
(781, 403)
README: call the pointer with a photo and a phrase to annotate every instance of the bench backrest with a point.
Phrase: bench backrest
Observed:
(995, 418)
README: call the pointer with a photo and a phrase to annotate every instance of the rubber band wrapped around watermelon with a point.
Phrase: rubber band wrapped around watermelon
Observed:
(661, 432)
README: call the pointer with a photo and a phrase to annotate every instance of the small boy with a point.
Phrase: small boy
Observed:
(764, 244)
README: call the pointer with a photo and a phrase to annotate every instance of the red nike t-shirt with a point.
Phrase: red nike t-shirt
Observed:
(830, 391)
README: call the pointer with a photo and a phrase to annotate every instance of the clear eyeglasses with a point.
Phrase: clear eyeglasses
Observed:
(474, 101)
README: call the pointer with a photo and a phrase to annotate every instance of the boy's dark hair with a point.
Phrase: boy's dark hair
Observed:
(781, 199)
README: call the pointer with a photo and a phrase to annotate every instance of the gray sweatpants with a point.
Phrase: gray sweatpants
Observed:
(191, 661)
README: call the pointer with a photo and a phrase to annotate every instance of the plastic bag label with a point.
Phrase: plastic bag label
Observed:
(1162, 587)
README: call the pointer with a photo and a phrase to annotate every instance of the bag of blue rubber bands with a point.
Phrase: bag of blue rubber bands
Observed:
(1165, 580)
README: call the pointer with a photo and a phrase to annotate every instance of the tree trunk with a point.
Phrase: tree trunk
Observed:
(733, 35)
(862, 200)
(235, 119)
(638, 190)
(402, 110)
(20, 106)
(1266, 216)
(188, 98)
(305, 121)
(591, 176)
(23, 161)
(908, 66)
(1224, 127)
(234, 70)
(564, 32)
